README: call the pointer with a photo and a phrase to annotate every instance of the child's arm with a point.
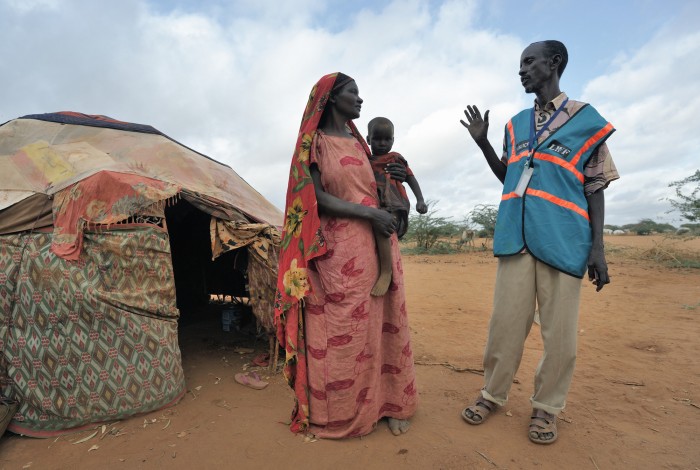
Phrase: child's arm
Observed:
(421, 206)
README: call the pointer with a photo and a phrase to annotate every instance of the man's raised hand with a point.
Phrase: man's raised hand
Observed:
(477, 126)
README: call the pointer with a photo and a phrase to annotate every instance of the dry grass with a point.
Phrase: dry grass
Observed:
(669, 251)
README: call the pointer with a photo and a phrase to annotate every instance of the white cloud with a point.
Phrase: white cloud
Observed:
(232, 83)
(25, 6)
(651, 98)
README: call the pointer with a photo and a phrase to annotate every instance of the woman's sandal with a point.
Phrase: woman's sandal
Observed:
(479, 411)
(251, 380)
(543, 427)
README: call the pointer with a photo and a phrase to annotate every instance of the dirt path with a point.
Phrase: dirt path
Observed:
(634, 402)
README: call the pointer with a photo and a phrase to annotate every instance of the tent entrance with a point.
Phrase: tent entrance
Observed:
(204, 288)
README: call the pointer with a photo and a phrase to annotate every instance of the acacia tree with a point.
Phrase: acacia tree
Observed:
(426, 229)
(687, 204)
(485, 215)
(648, 226)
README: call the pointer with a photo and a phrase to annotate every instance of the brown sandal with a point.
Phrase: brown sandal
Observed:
(479, 411)
(543, 427)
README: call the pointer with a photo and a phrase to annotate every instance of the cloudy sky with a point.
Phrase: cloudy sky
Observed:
(231, 78)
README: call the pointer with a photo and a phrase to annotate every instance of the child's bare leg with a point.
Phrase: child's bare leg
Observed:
(384, 252)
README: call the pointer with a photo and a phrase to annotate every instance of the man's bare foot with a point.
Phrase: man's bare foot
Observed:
(398, 426)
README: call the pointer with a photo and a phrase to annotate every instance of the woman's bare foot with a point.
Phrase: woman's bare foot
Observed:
(398, 426)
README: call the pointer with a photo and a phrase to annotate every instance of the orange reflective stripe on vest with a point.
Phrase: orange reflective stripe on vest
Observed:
(517, 157)
(511, 133)
(592, 141)
(513, 157)
(558, 201)
(551, 198)
(561, 162)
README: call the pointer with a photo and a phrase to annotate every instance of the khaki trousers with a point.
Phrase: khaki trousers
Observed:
(522, 283)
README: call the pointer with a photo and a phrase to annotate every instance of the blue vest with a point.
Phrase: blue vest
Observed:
(551, 219)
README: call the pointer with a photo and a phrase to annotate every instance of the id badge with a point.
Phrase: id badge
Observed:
(524, 181)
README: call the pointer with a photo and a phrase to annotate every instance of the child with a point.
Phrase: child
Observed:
(392, 195)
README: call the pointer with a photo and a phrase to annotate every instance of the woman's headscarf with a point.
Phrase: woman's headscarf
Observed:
(302, 241)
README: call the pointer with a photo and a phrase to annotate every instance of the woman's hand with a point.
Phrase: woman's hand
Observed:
(396, 171)
(382, 222)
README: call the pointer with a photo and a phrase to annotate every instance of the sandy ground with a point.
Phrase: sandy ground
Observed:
(634, 402)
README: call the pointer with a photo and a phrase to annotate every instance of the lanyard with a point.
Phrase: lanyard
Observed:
(534, 136)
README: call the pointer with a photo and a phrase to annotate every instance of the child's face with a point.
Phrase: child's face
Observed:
(381, 139)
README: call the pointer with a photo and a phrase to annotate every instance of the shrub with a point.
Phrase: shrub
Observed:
(426, 229)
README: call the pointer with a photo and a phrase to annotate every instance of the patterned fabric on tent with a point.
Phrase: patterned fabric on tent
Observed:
(91, 340)
(103, 199)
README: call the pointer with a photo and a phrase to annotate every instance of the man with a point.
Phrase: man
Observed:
(554, 168)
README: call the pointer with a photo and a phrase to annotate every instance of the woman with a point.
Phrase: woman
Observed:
(349, 357)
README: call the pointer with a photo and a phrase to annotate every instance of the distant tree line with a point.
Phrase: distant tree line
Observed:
(648, 227)
(432, 232)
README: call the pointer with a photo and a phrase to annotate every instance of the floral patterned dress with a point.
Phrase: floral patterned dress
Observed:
(358, 349)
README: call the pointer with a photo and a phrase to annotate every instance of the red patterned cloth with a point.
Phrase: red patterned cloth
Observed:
(101, 199)
(379, 162)
(359, 365)
(392, 194)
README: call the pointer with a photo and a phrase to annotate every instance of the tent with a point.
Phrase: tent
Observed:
(109, 231)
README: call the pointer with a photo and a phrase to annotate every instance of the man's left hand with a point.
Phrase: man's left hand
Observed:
(396, 171)
(598, 268)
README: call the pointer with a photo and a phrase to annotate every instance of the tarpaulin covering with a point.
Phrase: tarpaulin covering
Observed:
(38, 155)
